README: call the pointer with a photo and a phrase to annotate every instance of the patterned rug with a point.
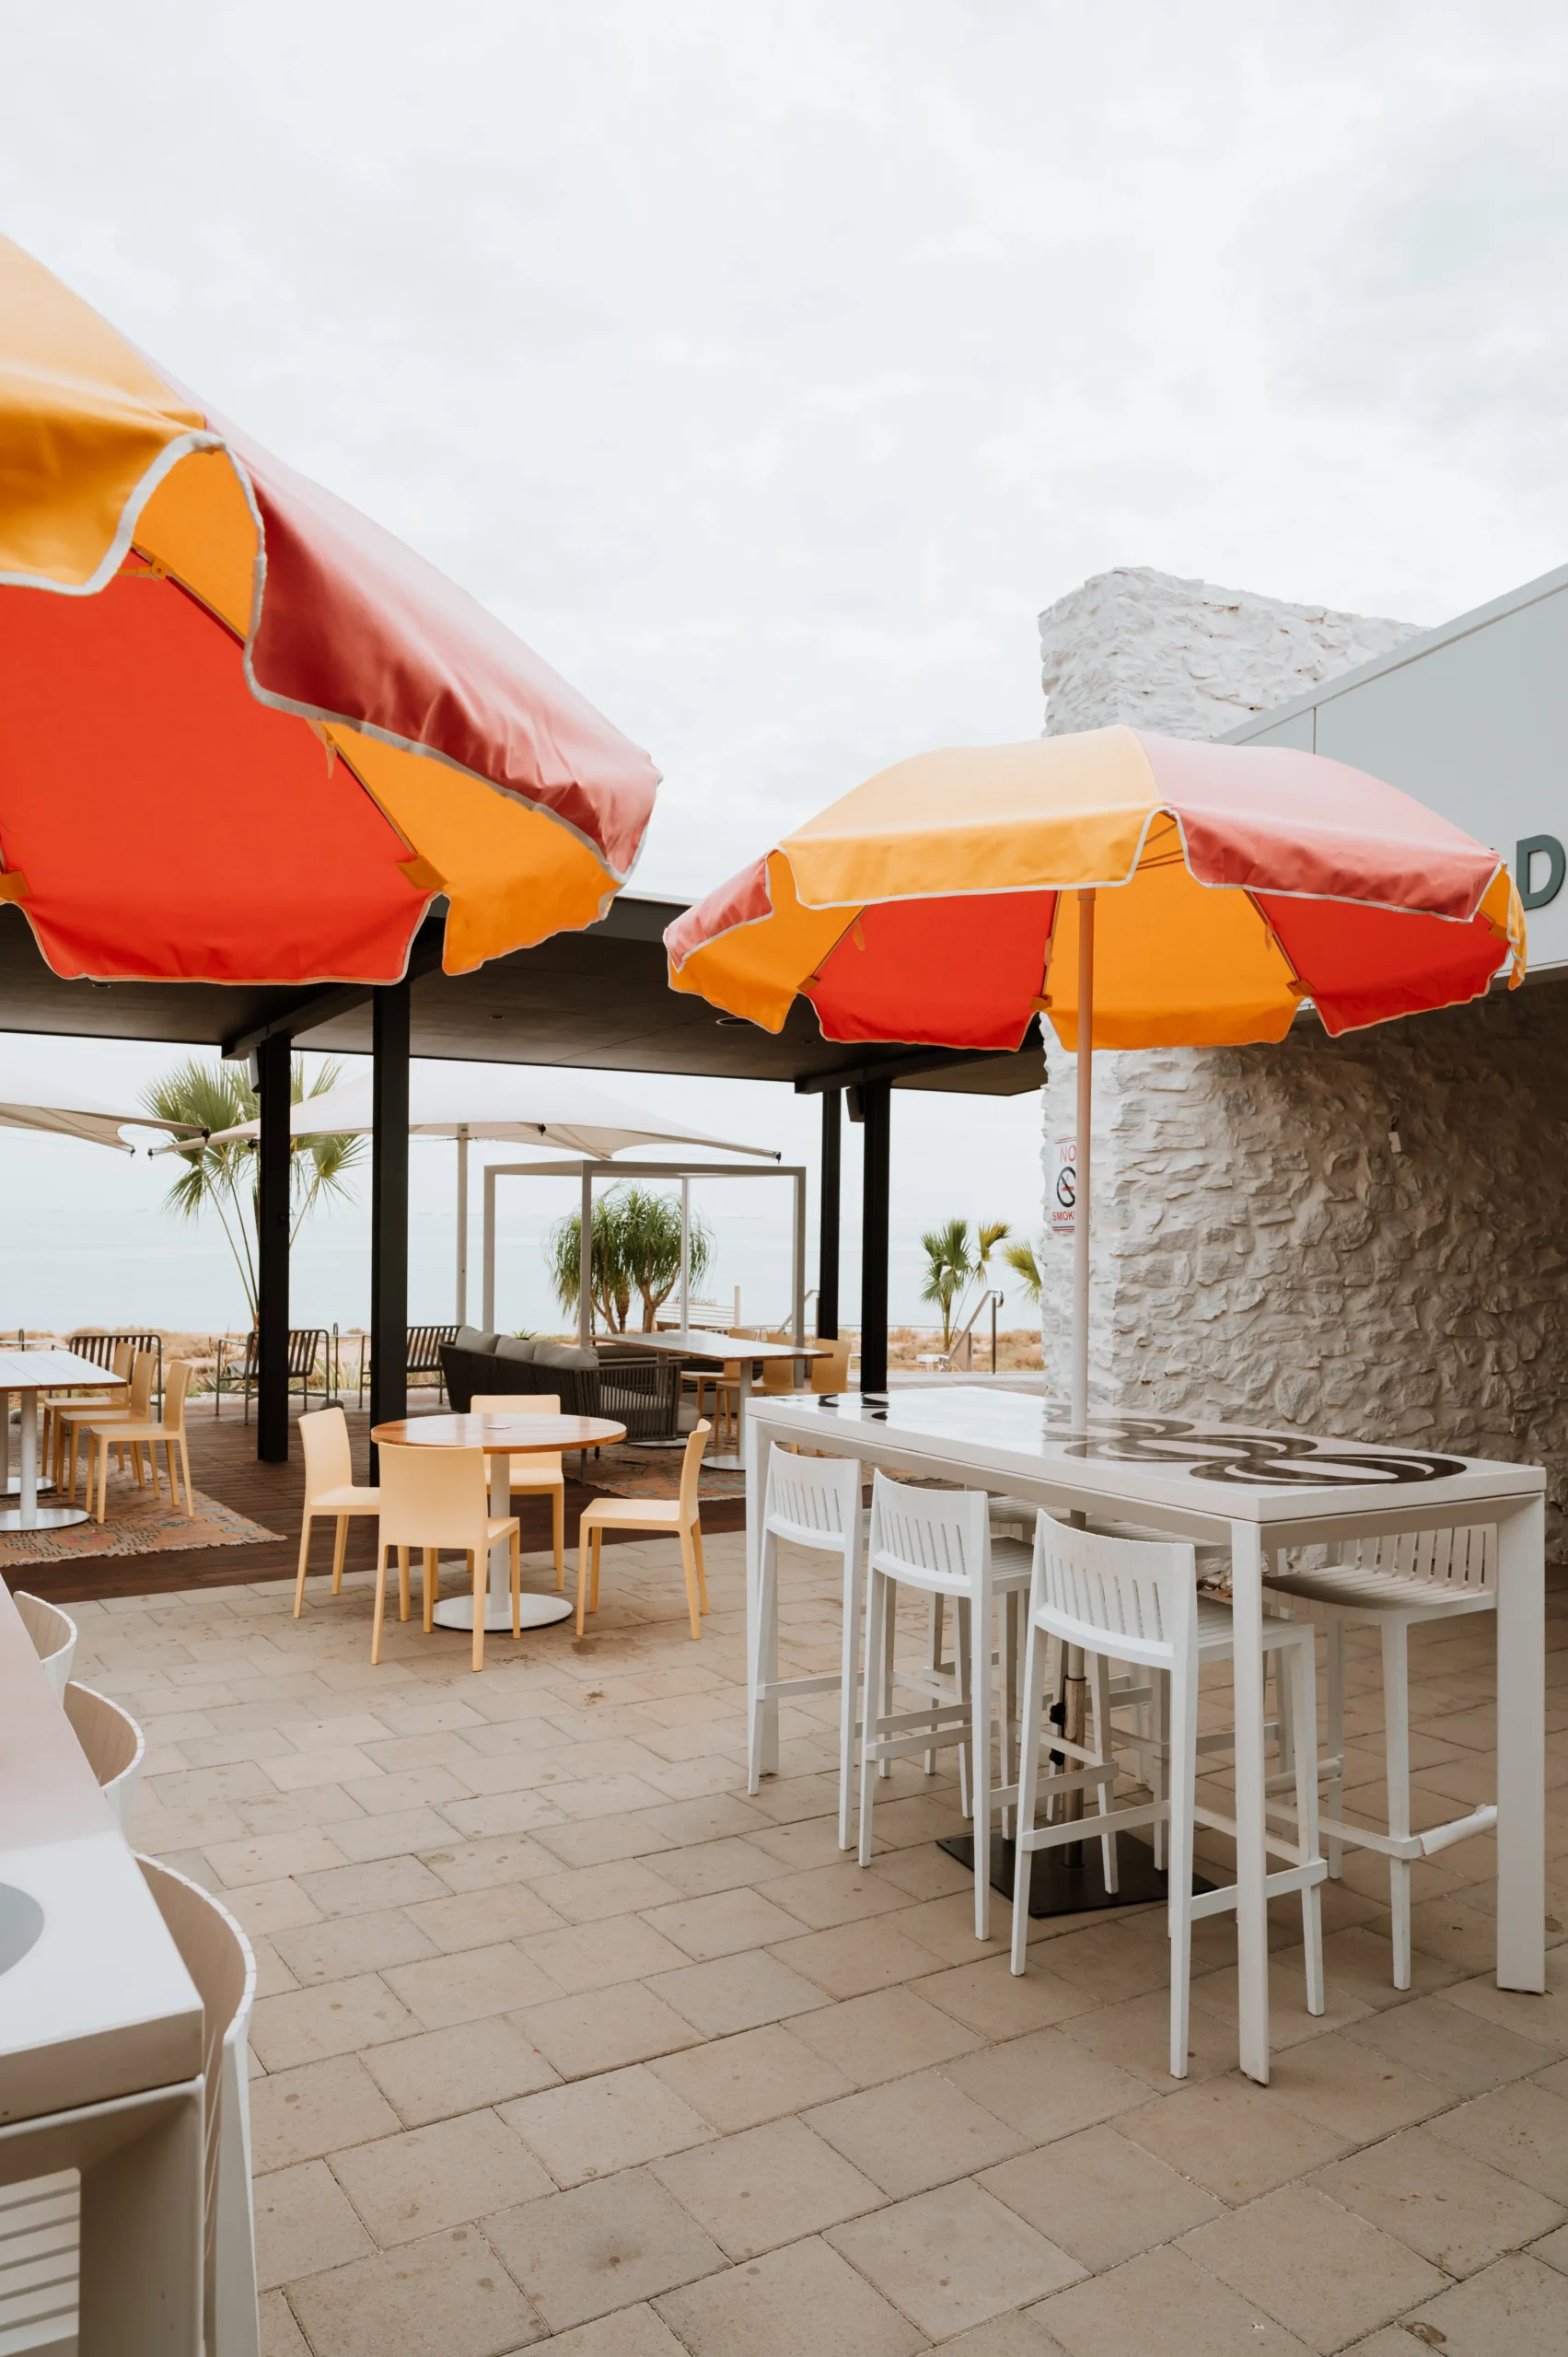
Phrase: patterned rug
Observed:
(655, 1473)
(136, 1524)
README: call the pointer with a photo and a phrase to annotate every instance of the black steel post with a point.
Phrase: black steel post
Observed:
(388, 1207)
(827, 1216)
(876, 1115)
(272, 1252)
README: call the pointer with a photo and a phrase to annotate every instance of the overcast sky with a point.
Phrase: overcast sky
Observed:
(768, 366)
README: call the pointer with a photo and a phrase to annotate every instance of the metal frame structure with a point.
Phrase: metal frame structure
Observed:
(586, 1172)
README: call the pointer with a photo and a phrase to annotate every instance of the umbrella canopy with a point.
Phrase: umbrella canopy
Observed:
(938, 902)
(528, 1108)
(99, 1124)
(245, 734)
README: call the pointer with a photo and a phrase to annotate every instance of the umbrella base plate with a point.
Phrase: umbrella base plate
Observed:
(41, 1517)
(1057, 1888)
(534, 1612)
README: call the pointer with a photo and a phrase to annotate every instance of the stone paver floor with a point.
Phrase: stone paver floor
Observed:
(563, 2041)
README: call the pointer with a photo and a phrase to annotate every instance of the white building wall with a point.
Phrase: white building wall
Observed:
(1261, 1249)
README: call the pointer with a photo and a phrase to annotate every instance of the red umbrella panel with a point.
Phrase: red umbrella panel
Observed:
(245, 733)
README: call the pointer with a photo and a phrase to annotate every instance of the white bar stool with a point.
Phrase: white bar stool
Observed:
(53, 1635)
(217, 1956)
(1137, 1601)
(1393, 1584)
(811, 1502)
(939, 1541)
(114, 1744)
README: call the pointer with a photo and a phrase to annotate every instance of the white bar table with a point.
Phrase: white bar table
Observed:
(739, 1351)
(100, 2030)
(28, 1373)
(1255, 1491)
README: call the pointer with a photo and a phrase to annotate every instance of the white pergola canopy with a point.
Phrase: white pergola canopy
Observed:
(502, 1103)
(98, 1124)
(498, 1104)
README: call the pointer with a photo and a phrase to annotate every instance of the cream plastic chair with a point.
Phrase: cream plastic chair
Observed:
(653, 1517)
(432, 1498)
(330, 1488)
(112, 1741)
(831, 1374)
(1137, 1601)
(58, 1406)
(217, 1955)
(534, 1475)
(53, 1634)
(166, 1432)
(1393, 1584)
(79, 1422)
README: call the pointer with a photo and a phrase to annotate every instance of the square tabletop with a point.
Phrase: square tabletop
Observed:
(50, 1371)
(704, 1344)
(93, 2000)
(1185, 1465)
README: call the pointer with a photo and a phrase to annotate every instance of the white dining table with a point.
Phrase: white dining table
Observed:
(28, 1372)
(740, 1350)
(100, 2030)
(1254, 1489)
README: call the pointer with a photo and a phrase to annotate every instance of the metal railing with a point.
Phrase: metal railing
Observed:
(99, 1350)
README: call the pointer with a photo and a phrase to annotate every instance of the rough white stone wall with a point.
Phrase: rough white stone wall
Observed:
(1260, 1249)
(1188, 659)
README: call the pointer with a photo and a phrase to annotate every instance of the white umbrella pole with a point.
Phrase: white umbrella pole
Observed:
(1074, 1695)
(1084, 1196)
(686, 1256)
(586, 1263)
(462, 1227)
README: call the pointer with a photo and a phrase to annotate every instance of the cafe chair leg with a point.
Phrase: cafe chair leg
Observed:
(304, 1561)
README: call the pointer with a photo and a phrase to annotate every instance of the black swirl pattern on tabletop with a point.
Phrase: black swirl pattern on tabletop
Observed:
(1251, 1460)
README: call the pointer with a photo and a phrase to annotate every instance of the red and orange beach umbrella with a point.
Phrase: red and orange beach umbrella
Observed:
(1139, 890)
(245, 734)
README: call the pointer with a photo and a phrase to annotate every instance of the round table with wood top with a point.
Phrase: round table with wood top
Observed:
(501, 1437)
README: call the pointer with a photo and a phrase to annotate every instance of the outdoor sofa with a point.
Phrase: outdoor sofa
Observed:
(637, 1389)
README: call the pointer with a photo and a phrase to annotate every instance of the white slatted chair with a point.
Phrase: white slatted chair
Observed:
(39, 2244)
(113, 1743)
(217, 1955)
(939, 1541)
(41, 2232)
(1138, 1601)
(1393, 1584)
(810, 1501)
(53, 1634)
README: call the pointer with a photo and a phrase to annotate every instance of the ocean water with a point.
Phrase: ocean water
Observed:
(85, 1236)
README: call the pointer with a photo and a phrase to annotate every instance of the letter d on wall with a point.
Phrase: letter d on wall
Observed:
(1531, 849)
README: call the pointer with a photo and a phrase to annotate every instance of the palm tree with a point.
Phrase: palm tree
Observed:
(949, 1269)
(222, 1179)
(952, 1270)
(1025, 1264)
(635, 1248)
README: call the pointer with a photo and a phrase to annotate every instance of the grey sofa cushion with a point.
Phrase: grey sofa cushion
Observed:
(470, 1337)
(516, 1346)
(563, 1354)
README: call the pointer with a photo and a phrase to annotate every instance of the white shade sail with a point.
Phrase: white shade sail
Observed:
(520, 1107)
(99, 1124)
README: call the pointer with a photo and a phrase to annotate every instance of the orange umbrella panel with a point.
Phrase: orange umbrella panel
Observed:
(938, 902)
